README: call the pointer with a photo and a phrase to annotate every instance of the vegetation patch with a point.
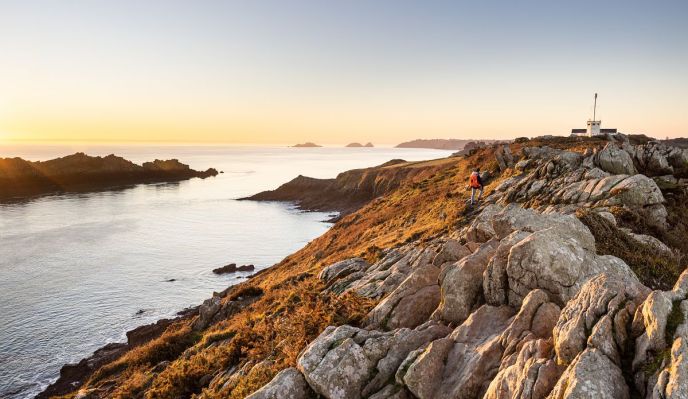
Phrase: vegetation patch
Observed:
(654, 269)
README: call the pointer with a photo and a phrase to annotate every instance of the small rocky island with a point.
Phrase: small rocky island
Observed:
(20, 179)
(359, 145)
(307, 144)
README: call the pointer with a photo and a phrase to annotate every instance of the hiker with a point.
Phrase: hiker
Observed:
(476, 184)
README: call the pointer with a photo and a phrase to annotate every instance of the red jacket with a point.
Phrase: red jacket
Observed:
(475, 180)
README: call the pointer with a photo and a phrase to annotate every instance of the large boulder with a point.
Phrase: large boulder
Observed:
(615, 160)
(598, 317)
(558, 260)
(411, 303)
(532, 376)
(342, 269)
(461, 365)
(495, 279)
(350, 363)
(591, 375)
(462, 284)
(287, 384)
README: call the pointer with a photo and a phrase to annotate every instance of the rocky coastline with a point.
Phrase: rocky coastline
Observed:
(568, 281)
(21, 179)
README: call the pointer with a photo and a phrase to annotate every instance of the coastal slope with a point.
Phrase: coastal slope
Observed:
(567, 281)
(350, 190)
(440, 144)
(79, 172)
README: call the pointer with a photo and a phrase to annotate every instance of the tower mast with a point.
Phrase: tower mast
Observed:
(594, 108)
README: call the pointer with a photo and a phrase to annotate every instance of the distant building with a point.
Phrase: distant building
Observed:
(593, 126)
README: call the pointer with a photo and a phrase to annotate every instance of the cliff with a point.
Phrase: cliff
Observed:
(79, 172)
(349, 190)
(567, 281)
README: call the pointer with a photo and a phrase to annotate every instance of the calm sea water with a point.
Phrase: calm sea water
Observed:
(76, 269)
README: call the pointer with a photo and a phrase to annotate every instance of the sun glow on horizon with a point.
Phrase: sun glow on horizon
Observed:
(273, 73)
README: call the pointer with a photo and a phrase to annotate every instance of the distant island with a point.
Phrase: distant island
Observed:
(307, 145)
(359, 145)
(439, 144)
(79, 172)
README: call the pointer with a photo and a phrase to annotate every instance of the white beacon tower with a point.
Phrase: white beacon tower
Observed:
(593, 128)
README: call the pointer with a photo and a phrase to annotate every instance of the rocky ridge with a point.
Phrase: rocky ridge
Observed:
(518, 304)
(517, 299)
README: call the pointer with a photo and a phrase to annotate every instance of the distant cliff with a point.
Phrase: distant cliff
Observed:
(440, 144)
(80, 172)
(349, 190)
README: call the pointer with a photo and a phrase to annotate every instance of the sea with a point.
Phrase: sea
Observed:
(79, 270)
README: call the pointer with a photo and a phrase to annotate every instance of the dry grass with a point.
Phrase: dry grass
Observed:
(292, 310)
(655, 270)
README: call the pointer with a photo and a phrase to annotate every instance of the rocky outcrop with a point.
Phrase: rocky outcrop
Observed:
(350, 363)
(560, 181)
(233, 268)
(515, 305)
(79, 173)
(287, 384)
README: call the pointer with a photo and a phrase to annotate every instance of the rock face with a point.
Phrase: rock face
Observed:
(515, 305)
(80, 172)
(619, 174)
(346, 362)
(288, 384)
(348, 191)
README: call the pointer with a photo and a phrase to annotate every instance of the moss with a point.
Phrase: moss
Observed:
(674, 320)
(655, 364)
(655, 270)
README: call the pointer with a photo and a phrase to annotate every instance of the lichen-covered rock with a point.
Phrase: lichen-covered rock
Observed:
(342, 269)
(462, 283)
(559, 261)
(481, 229)
(495, 279)
(591, 375)
(615, 160)
(349, 363)
(287, 384)
(451, 251)
(587, 320)
(411, 303)
(384, 276)
(532, 376)
(461, 365)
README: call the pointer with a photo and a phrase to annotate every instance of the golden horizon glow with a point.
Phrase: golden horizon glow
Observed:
(275, 74)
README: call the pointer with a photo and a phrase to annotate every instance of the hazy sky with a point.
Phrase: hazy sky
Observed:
(338, 71)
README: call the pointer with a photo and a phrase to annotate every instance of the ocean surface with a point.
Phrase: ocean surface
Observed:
(77, 271)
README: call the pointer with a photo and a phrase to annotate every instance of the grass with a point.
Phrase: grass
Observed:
(655, 270)
(289, 309)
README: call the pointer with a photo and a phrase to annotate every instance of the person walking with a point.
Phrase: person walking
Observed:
(476, 184)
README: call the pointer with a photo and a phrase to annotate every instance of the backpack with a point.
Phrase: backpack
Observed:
(475, 180)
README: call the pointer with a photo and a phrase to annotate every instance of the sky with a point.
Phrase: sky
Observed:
(282, 72)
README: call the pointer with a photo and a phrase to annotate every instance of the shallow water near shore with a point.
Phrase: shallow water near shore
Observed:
(76, 270)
